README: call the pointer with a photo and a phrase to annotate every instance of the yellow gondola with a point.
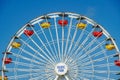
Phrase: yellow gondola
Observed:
(5, 78)
(45, 25)
(15, 44)
(81, 25)
(110, 46)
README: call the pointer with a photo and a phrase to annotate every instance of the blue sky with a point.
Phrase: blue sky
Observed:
(15, 13)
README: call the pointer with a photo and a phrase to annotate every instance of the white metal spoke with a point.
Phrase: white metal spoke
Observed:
(26, 70)
(74, 36)
(81, 45)
(98, 60)
(56, 78)
(38, 52)
(44, 77)
(45, 45)
(86, 39)
(56, 56)
(79, 39)
(105, 57)
(49, 46)
(69, 30)
(96, 77)
(93, 49)
(62, 47)
(96, 66)
(23, 76)
(25, 58)
(89, 51)
(26, 64)
(57, 38)
(94, 55)
(72, 41)
(38, 58)
(43, 50)
(97, 71)
(66, 77)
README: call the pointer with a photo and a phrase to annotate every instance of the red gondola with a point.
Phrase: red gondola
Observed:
(117, 63)
(63, 22)
(97, 33)
(28, 32)
(7, 60)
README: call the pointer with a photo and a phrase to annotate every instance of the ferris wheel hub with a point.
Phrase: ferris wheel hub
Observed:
(61, 69)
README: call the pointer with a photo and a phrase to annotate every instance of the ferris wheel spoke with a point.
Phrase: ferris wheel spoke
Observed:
(97, 66)
(90, 44)
(82, 57)
(90, 51)
(51, 54)
(79, 39)
(86, 65)
(69, 30)
(51, 77)
(39, 70)
(98, 60)
(55, 56)
(95, 77)
(74, 36)
(99, 53)
(104, 65)
(25, 58)
(62, 47)
(57, 38)
(49, 59)
(94, 55)
(22, 76)
(76, 44)
(23, 70)
(95, 71)
(43, 50)
(81, 45)
(66, 77)
(56, 78)
(82, 77)
(98, 71)
(27, 64)
(85, 40)
(43, 77)
(87, 75)
(37, 77)
(72, 41)
(32, 55)
(103, 58)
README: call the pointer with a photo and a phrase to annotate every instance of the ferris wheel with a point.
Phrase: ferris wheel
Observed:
(61, 46)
